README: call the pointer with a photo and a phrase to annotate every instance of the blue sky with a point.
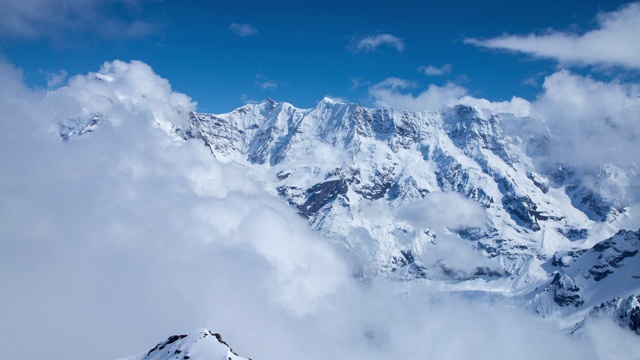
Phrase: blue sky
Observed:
(224, 53)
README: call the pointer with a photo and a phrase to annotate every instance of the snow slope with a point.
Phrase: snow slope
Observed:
(200, 344)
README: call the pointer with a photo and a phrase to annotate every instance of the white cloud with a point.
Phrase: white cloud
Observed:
(443, 211)
(389, 93)
(56, 79)
(613, 42)
(516, 106)
(117, 90)
(373, 42)
(592, 122)
(612, 341)
(33, 19)
(12, 87)
(440, 213)
(432, 70)
(265, 83)
(243, 30)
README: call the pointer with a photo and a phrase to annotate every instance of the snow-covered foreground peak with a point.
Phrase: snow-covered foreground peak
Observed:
(200, 344)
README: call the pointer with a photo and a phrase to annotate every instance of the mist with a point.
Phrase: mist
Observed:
(114, 240)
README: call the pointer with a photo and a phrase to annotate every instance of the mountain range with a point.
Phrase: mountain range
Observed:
(461, 200)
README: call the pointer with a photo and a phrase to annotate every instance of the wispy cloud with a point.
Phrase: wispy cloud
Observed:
(35, 19)
(357, 82)
(613, 43)
(432, 70)
(243, 30)
(55, 78)
(373, 42)
(265, 83)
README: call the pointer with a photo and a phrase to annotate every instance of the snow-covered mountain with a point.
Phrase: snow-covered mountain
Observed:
(353, 172)
(200, 344)
(460, 200)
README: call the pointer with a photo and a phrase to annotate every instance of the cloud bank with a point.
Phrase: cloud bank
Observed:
(114, 240)
(613, 43)
(592, 122)
(391, 93)
(118, 90)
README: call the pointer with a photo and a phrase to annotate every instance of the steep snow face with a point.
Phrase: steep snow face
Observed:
(200, 344)
(353, 172)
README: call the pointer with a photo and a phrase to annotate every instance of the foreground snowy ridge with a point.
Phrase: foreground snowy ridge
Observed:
(200, 344)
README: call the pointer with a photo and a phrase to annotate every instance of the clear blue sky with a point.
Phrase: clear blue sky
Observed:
(294, 51)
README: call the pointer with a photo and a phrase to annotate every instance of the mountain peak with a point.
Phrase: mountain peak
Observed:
(199, 344)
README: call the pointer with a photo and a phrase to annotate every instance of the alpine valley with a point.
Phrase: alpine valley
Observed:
(461, 200)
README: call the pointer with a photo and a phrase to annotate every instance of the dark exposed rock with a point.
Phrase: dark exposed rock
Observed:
(377, 186)
(565, 291)
(574, 234)
(613, 251)
(78, 127)
(565, 258)
(523, 210)
(600, 272)
(282, 175)
(488, 249)
(403, 259)
(464, 275)
(476, 233)
(538, 183)
(322, 194)
(407, 189)
(169, 341)
(489, 272)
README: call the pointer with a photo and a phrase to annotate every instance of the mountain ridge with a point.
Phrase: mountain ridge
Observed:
(378, 182)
